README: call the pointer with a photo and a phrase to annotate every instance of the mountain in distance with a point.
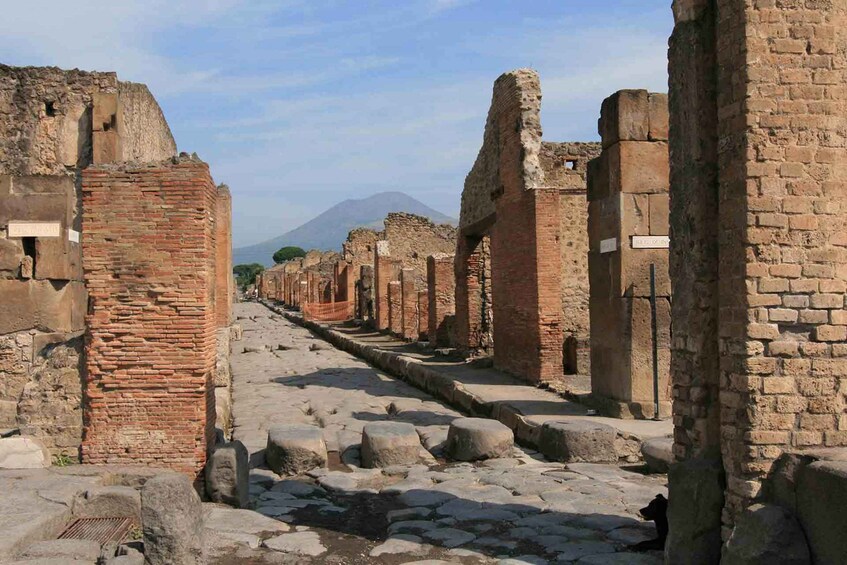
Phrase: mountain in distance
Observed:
(329, 230)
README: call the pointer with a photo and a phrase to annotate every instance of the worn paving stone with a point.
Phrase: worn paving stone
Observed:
(298, 543)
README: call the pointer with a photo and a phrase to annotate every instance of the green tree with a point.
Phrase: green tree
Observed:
(288, 253)
(246, 274)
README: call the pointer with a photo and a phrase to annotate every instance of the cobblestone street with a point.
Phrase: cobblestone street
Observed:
(522, 509)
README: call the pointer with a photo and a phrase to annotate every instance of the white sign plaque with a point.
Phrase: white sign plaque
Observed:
(73, 235)
(34, 229)
(609, 245)
(651, 242)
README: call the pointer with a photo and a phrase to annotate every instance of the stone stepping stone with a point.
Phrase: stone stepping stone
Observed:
(294, 449)
(658, 453)
(299, 543)
(390, 443)
(578, 440)
(475, 439)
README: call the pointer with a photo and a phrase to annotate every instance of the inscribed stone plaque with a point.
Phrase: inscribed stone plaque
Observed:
(34, 229)
(650, 241)
(609, 245)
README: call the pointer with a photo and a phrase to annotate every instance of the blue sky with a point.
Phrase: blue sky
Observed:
(299, 104)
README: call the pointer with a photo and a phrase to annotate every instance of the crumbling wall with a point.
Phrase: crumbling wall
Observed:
(358, 251)
(413, 238)
(150, 351)
(145, 135)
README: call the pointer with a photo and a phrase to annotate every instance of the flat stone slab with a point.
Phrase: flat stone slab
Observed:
(294, 449)
(83, 550)
(390, 443)
(20, 452)
(474, 439)
(299, 543)
(578, 440)
(658, 453)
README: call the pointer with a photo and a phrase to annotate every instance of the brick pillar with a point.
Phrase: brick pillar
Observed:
(628, 227)
(148, 252)
(408, 304)
(469, 292)
(304, 293)
(395, 308)
(423, 315)
(526, 258)
(441, 286)
(382, 276)
(223, 257)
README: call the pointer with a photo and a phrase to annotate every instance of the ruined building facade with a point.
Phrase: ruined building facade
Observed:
(521, 259)
(115, 274)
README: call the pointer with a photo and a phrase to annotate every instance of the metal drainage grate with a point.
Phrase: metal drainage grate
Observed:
(101, 530)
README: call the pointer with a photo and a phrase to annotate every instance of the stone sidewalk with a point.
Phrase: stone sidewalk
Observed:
(478, 391)
(520, 509)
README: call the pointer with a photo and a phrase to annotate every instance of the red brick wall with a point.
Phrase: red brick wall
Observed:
(441, 287)
(409, 304)
(382, 276)
(148, 248)
(525, 252)
(223, 257)
(423, 315)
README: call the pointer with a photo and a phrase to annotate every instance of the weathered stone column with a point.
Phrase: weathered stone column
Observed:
(408, 304)
(628, 231)
(365, 292)
(395, 308)
(441, 291)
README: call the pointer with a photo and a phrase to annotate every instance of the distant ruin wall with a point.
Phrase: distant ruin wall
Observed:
(148, 248)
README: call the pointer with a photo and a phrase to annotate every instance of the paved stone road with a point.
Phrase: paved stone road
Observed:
(522, 509)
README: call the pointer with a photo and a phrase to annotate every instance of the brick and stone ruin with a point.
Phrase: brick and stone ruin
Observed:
(671, 297)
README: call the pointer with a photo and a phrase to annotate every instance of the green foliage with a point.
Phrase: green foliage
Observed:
(63, 460)
(288, 253)
(246, 274)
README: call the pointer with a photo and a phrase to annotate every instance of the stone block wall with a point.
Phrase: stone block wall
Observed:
(358, 251)
(412, 238)
(149, 259)
(441, 292)
(628, 231)
(757, 118)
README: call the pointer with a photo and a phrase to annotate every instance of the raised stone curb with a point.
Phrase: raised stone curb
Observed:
(295, 448)
(415, 373)
(658, 453)
(474, 439)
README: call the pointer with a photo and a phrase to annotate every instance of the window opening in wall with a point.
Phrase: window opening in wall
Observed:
(111, 124)
(50, 109)
(570, 164)
(28, 243)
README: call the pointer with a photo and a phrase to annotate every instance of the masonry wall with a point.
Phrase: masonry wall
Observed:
(358, 251)
(51, 127)
(395, 308)
(412, 238)
(757, 142)
(148, 248)
(409, 304)
(628, 227)
(566, 168)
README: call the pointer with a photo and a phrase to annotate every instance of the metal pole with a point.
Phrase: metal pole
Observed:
(654, 327)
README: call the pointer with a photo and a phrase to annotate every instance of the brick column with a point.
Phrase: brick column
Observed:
(441, 287)
(223, 257)
(469, 303)
(408, 304)
(148, 252)
(628, 231)
(395, 308)
(303, 298)
(423, 315)
(366, 286)
(382, 276)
